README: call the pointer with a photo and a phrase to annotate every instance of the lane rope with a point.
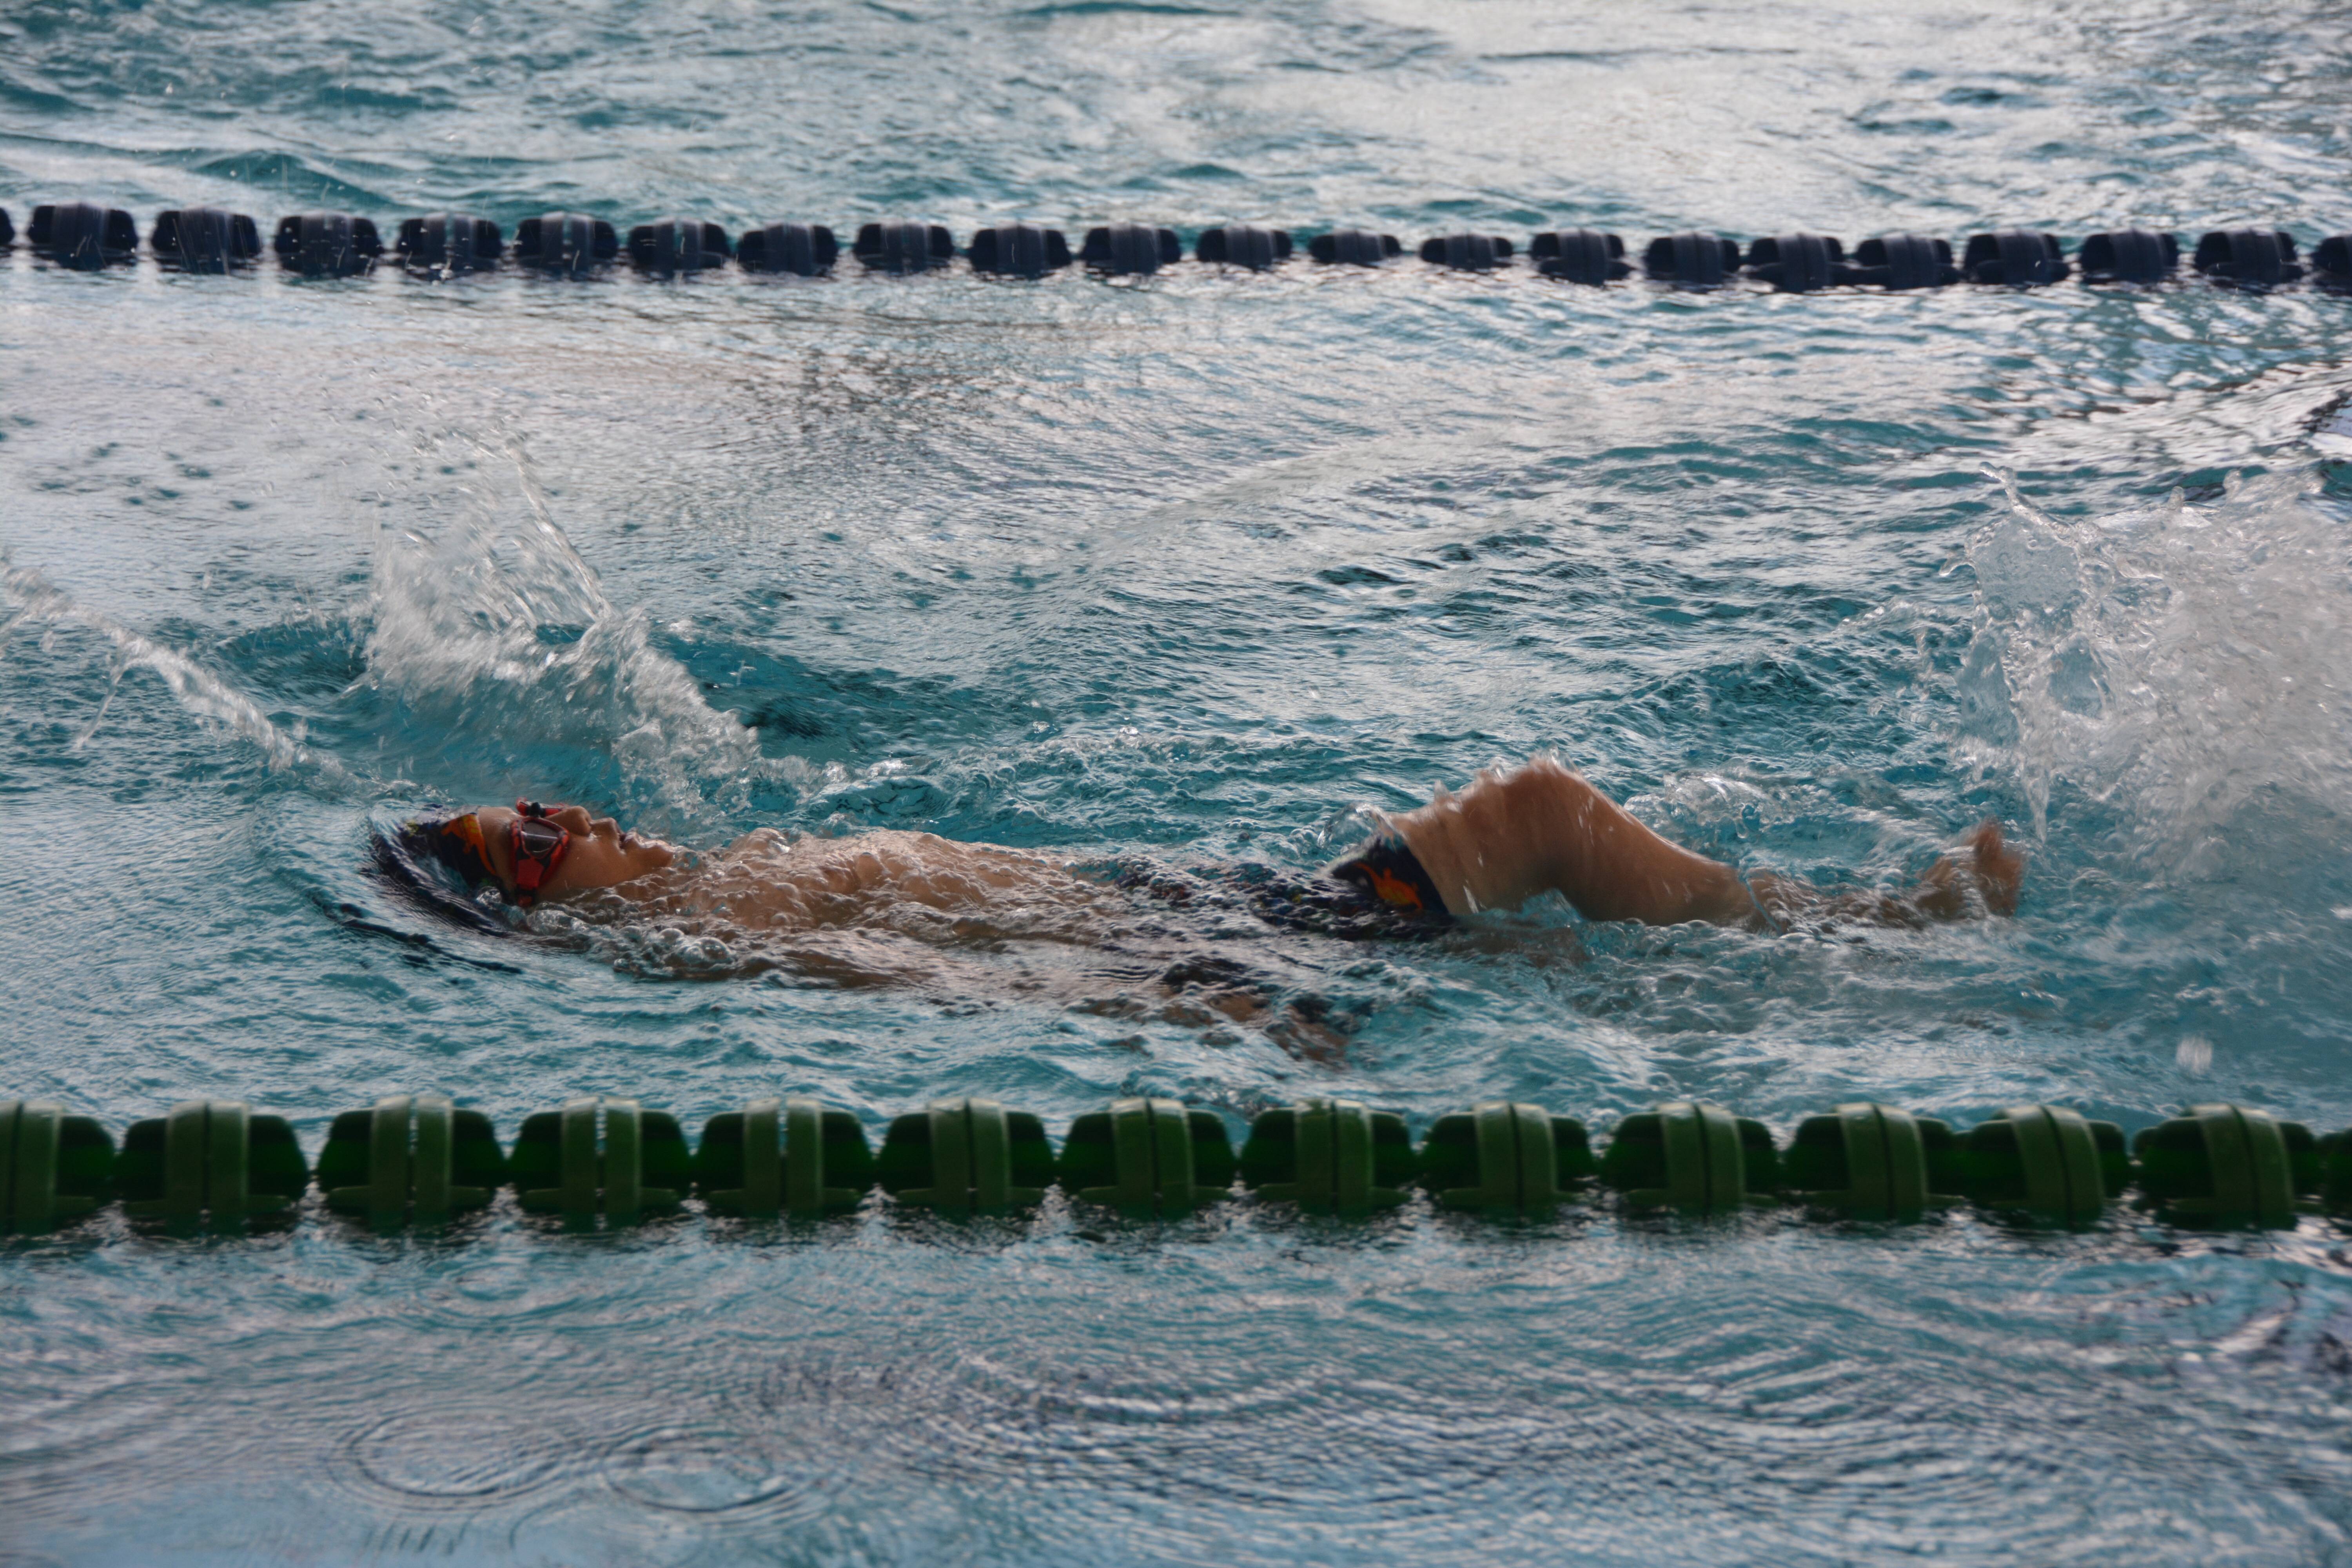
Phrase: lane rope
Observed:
(611, 1161)
(89, 237)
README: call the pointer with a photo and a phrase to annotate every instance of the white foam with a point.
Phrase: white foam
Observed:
(2179, 660)
(459, 617)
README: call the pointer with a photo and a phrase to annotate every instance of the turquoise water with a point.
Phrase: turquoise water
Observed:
(1191, 569)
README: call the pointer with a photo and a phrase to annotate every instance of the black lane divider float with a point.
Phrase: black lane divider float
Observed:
(221, 1166)
(86, 237)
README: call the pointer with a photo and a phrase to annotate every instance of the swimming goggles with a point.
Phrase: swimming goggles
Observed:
(536, 847)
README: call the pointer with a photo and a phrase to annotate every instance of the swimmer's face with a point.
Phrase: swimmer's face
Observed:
(600, 856)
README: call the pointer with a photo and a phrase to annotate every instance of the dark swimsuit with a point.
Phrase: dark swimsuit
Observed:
(1381, 891)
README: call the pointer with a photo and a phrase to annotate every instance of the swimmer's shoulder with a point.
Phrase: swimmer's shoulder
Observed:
(760, 843)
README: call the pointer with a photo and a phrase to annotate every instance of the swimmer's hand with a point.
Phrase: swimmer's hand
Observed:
(1986, 864)
(1991, 865)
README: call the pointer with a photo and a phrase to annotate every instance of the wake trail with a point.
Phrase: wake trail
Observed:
(31, 599)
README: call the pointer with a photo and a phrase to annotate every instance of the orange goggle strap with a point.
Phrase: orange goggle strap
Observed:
(471, 855)
(534, 865)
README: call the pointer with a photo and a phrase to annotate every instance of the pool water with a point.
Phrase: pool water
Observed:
(1191, 569)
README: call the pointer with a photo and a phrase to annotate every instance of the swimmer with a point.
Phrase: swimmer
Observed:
(1494, 845)
(964, 923)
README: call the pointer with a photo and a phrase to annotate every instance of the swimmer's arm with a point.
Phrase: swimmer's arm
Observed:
(1987, 866)
(1506, 838)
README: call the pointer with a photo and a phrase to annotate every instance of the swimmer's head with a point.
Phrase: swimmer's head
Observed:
(594, 852)
(527, 852)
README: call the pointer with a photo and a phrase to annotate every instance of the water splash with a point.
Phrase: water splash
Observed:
(2184, 662)
(491, 627)
(28, 599)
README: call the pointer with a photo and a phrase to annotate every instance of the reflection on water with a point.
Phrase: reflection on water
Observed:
(1275, 1392)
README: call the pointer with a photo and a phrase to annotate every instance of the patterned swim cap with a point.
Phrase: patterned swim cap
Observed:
(455, 842)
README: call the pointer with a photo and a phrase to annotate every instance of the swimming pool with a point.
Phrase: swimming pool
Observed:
(1187, 568)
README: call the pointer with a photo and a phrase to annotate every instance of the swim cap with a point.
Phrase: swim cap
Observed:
(440, 865)
(455, 842)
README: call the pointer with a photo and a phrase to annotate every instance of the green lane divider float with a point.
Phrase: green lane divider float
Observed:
(1149, 1158)
(1502, 1158)
(1873, 1162)
(211, 1164)
(54, 1168)
(2335, 1153)
(411, 1156)
(777, 1157)
(2224, 1165)
(966, 1156)
(1330, 1157)
(1693, 1157)
(641, 1166)
(417, 1158)
(2045, 1161)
